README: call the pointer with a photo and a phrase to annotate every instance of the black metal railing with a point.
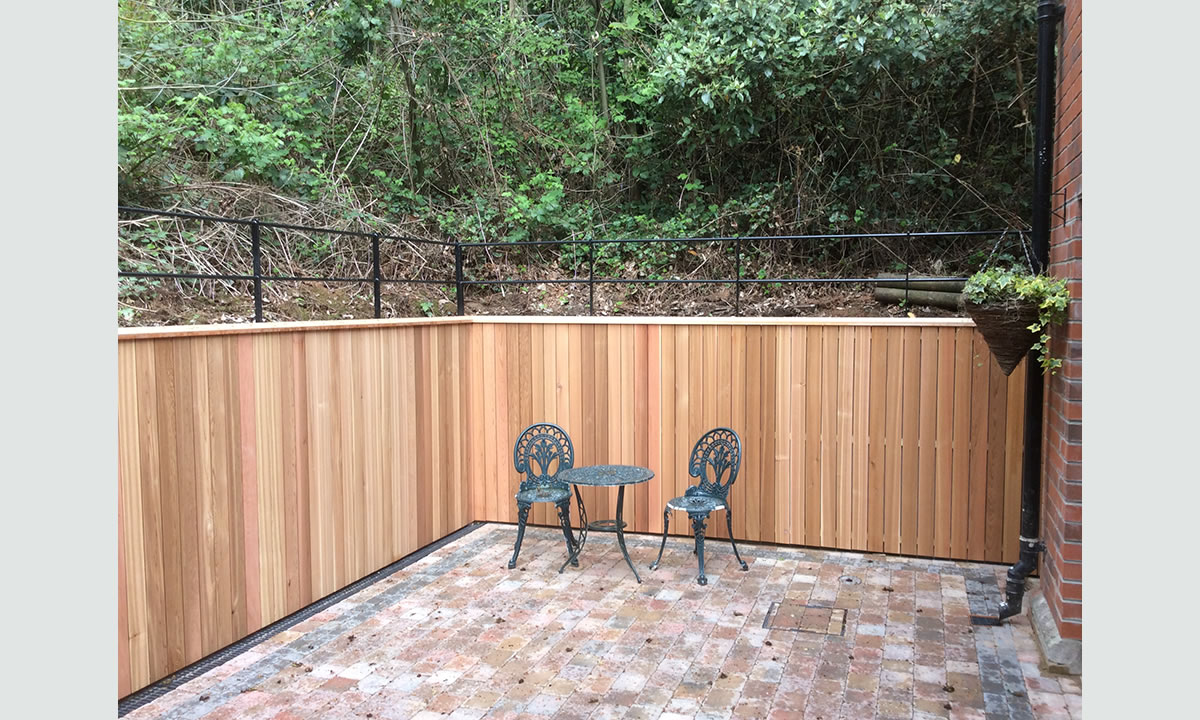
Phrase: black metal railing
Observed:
(460, 283)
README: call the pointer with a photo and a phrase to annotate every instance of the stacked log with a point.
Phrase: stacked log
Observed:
(918, 290)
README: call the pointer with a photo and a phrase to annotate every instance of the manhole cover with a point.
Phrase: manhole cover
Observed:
(806, 618)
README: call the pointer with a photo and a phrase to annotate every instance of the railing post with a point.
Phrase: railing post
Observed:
(375, 275)
(592, 275)
(737, 290)
(460, 301)
(256, 252)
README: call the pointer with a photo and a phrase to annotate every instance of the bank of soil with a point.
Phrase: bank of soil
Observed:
(175, 304)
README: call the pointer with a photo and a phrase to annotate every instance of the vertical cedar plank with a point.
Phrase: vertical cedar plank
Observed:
(634, 507)
(487, 353)
(289, 419)
(303, 477)
(845, 436)
(523, 374)
(167, 401)
(738, 422)
(927, 453)
(124, 685)
(189, 522)
(783, 435)
(812, 437)
(575, 361)
(799, 430)
(151, 518)
(752, 444)
(696, 392)
(654, 431)
(893, 431)
(666, 439)
(876, 429)
(249, 472)
(708, 406)
(997, 421)
(531, 400)
(910, 442)
(829, 431)
(424, 405)
(961, 469)
(266, 410)
(1013, 455)
(943, 442)
(862, 400)
(981, 358)
(137, 636)
(766, 463)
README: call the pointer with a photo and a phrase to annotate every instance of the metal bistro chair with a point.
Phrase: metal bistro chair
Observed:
(544, 445)
(720, 450)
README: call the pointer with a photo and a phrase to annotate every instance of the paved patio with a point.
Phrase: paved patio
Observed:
(457, 635)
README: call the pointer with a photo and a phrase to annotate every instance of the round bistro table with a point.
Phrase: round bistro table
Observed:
(617, 476)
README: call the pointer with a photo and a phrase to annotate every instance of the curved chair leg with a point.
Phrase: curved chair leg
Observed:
(729, 524)
(522, 516)
(564, 519)
(666, 523)
(698, 525)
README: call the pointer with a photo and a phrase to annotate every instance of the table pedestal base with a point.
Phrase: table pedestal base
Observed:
(614, 526)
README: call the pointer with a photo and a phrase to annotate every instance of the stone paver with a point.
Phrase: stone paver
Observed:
(458, 635)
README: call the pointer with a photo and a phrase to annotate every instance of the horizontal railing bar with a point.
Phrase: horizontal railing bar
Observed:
(281, 226)
(726, 281)
(856, 236)
(522, 243)
(913, 280)
(183, 276)
(583, 281)
(266, 278)
(382, 280)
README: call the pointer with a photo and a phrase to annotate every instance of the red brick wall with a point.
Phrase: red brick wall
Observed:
(1062, 481)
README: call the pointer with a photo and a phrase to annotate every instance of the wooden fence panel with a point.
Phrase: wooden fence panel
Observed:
(264, 468)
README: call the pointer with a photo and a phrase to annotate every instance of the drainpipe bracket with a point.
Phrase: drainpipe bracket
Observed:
(1034, 544)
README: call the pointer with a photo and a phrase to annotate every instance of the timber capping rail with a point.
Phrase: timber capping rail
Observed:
(173, 331)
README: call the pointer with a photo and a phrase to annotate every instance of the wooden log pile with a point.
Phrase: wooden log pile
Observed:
(896, 288)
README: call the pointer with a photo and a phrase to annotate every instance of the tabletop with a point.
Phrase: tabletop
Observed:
(606, 475)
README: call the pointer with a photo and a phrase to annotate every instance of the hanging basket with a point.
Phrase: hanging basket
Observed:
(1005, 328)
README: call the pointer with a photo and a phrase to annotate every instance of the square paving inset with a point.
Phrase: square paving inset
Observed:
(790, 615)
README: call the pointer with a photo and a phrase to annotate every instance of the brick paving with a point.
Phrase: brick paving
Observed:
(458, 635)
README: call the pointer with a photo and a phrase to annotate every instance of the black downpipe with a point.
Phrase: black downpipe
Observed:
(1049, 14)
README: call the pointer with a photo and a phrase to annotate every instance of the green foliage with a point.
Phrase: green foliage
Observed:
(1003, 286)
(619, 118)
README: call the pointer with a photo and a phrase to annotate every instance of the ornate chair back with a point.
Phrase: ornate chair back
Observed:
(541, 452)
(718, 451)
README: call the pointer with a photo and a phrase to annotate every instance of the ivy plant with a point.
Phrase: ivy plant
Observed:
(1013, 286)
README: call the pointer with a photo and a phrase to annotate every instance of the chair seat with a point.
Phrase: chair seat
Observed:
(544, 494)
(696, 503)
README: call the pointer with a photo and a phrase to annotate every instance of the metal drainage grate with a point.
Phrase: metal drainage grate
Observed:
(816, 619)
